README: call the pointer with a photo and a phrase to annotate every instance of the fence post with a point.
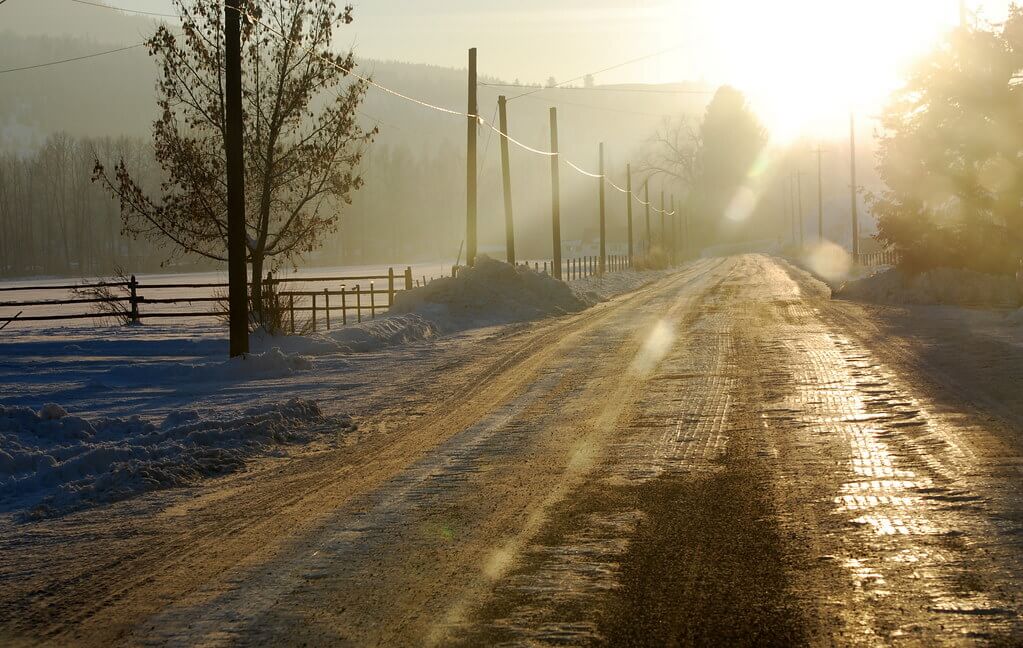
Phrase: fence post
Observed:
(372, 302)
(291, 308)
(326, 306)
(545, 267)
(133, 287)
(344, 307)
(314, 312)
(408, 277)
(358, 303)
(390, 287)
(272, 292)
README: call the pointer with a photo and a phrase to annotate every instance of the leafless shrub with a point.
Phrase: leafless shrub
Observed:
(113, 295)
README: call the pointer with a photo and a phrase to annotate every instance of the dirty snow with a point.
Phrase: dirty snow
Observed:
(52, 462)
(941, 286)
(490, 292)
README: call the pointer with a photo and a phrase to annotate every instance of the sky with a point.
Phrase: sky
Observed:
(804, 63)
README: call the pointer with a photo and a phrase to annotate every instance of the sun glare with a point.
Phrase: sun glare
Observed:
(806, 63)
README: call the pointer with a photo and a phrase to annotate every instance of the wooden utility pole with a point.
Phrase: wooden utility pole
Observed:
(602, 264)
(555, 195)
(628, 207)
(674, 232)
(238, 288)
(470, 165)
(792, 205)
(686, 243)
(646, 192)
(664, 248)
(820, 196)
(509, 223)
(799, 205)
(852, 175)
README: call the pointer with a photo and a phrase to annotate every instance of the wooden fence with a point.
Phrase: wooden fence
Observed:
(128, 299)
(582, 267)
(344, 300)
(880, 258)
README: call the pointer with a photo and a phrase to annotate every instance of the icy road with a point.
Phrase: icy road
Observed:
(725, 456)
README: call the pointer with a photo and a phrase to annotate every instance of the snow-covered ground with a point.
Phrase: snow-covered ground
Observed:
(944, 286)
(91, 415)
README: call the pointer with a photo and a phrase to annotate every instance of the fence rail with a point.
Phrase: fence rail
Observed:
(343, 301)
(880, 258)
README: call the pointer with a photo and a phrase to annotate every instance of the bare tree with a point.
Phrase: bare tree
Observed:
(672, 152)
(302, 142)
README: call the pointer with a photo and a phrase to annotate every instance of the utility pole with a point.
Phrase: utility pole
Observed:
(628, 205)
(687, 241)
(602, 264)
(470, 165)
(663, 246)
(820, 196)
(852, 175)
(238, 288)
(799, 206)
(509, 223)
(555, 195)
(674, 232)
(792, 205)
(646, 192)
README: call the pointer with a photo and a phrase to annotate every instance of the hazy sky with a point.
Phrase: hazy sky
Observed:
(805, 63)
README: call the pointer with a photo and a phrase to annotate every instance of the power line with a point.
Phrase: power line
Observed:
(595, 89)
(70, 60)
(134, 11)
(607, 108)
(607, 69)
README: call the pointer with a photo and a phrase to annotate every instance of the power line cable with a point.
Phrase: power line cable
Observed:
(134, 11)
(72, 59)
(595, 89)
(625, 111)
(607, 69)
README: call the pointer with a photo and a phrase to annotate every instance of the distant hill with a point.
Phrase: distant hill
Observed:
(114, 94)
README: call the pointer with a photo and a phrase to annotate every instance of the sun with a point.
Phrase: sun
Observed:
(805, 64)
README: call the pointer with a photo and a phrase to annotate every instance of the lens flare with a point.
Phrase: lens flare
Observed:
(829, 261)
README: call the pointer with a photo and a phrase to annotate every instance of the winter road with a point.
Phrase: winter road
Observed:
(723, 457)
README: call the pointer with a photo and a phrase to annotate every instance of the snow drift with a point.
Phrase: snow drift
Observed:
(52, 462)
(372, 335)
(490, 292)
(946, 286)
(251, 366)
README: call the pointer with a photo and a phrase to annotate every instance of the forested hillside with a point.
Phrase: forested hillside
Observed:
(55, 120)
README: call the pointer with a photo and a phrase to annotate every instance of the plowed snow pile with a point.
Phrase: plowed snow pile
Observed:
(490, 292)
(52, 462)
(946, 286)
(372, 335)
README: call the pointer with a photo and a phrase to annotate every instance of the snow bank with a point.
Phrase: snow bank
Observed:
(490, 292)
(370, 335)
(945, 286)
(52, 462)
(252, 366)
(602, 288)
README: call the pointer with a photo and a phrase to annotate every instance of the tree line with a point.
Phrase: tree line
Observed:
(55, 220)
(950, 154)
